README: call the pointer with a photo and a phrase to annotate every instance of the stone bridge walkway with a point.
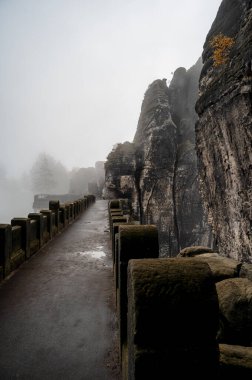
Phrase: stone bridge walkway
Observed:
(57, 315)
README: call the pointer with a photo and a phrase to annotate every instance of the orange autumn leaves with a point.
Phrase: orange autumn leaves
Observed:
(221, 45)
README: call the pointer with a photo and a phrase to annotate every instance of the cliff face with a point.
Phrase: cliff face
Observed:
(168, 183)
(224, 132)
(158, 171)
(155, 142)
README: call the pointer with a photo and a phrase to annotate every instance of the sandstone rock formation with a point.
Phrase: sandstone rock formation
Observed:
(224, 133)
(119, 171)
(158, 171)
(235, 361)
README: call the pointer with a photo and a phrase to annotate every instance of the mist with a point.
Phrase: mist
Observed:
(16, 198)
(73, 75)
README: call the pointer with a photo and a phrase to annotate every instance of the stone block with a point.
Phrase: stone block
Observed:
(63, 219)
(54, 225)
(235, 304)
(221, 267)
(235, 362)
(60, 225)
(115, 248)
(246, 271)
(135, 242)
(48, 214)
(114, 203)
(16, 238)
(54, 207)
(46, 235)
(34, 240)
(5, 248)
(39, 219)
(75, 209)
(18, 254)
(25, 224)
(172, 320)
(115, 230)
(67, 208)
(117, 219)
(71, 211)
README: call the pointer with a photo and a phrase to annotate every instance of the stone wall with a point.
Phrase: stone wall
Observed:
(25, 236)
(189, 316)
(224, 134)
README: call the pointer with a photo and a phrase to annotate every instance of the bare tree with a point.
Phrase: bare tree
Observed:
(48, 176)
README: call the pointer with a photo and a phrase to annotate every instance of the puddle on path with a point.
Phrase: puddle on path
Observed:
(93, 254)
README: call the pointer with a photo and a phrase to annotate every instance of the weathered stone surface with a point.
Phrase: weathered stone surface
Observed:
(169, 307)
(167, 172)
(221, 267)
(194, 251)
(135, 242)
(235, 303)
(246, 271)
(34, 241)
(114, 204)
(25, 224)
(120, 172)
(158, 171)
(5, 248)
(138, 241)
(48, 214)
(115, 230)
(224, 134)
(117, 219)
(235, 361)
(39, 225)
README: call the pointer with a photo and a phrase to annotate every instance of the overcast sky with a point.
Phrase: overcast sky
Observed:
(73, 72)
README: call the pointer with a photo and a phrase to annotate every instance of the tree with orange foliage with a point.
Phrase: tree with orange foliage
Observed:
(221, 48)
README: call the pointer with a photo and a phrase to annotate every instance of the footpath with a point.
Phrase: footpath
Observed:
(57, 312)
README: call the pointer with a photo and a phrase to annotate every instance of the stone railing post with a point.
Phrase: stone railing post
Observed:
(135, 242)
(75, 209)
(48, 214)
(39, 219)
(69, 205)
(67, 208)
(117, 219)
(63, 215)
(5, 248)
(24, 223)
(114, 203)
(172, 320)
(54, 206)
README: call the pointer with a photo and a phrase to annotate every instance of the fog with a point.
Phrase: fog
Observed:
(73, 75)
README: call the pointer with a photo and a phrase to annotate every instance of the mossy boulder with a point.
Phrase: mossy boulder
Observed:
(235, 304)
(246, 271)
(221, 267)
(194, 251)
(235, 361)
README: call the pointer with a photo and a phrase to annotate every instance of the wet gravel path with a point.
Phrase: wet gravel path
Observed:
(57, 315)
